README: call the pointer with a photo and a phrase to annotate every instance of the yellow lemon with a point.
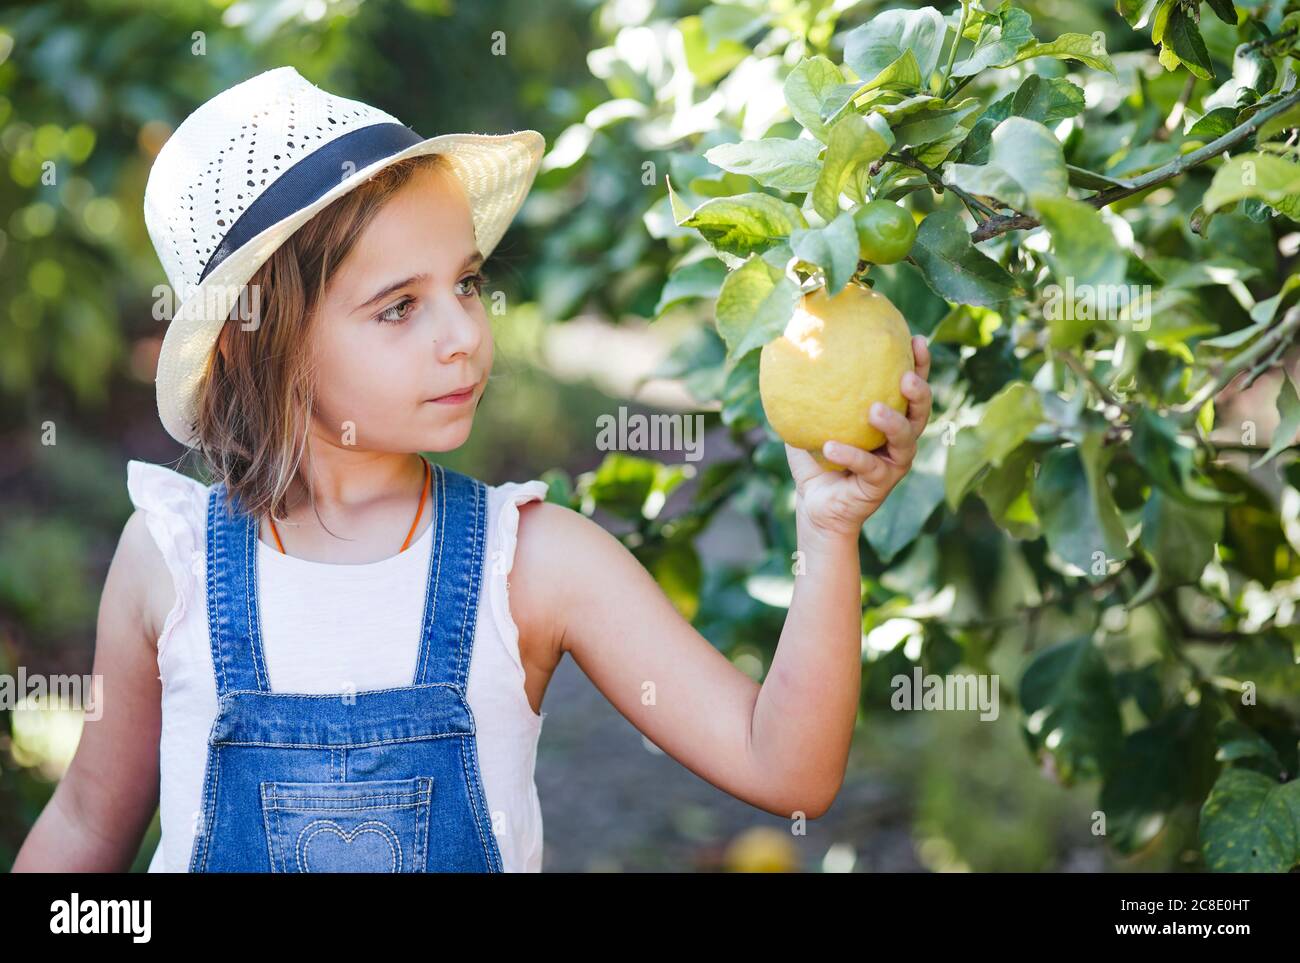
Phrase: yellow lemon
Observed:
(762, 849)
(836, 357)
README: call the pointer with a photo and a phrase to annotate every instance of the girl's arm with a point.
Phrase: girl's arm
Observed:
(103, 804)
(782, 746)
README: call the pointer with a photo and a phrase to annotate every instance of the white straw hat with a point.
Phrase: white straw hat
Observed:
(253, 164)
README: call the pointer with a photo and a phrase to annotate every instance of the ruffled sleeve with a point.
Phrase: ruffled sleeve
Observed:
(501, 558)
(175, 508)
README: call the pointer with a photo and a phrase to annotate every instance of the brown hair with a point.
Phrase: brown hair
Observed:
(255, 400)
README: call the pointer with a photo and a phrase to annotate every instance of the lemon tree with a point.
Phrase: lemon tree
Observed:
(1105, 268)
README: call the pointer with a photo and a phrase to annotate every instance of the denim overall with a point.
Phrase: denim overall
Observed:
(381, 780)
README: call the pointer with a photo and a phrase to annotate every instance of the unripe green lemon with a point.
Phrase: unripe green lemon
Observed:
(885, 232)
(837, 356)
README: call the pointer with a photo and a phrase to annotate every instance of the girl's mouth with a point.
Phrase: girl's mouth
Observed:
(457, 398)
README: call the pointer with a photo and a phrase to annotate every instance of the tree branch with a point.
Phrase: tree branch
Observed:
(956, 42)
(908, 159)
(1002, 223)
(1083, 372)
(1268, 41)
(1257, 358)
(1048, 600)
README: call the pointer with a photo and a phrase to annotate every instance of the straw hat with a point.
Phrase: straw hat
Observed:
(253, 164)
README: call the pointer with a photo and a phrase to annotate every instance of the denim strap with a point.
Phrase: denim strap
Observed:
(450, 600)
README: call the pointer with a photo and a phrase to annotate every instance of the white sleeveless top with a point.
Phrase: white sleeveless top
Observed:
(332, 628)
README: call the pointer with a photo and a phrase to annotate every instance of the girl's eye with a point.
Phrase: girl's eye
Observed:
(478, 279)
(387, 315)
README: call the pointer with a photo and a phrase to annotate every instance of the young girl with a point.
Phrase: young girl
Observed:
(334, 657)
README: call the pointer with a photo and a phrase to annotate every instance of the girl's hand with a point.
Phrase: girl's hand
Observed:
(838, 502)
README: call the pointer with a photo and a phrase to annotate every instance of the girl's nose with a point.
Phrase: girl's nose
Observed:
(456, 332)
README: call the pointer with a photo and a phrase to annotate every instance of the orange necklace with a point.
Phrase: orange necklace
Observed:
(424, 496)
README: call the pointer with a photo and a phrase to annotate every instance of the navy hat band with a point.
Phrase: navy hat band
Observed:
(310, 179)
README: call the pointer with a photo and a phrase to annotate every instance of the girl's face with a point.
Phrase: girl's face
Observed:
(402, 323)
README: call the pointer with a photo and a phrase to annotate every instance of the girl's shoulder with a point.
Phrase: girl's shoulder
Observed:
(174, 504)
(174, 508)
(515, 582)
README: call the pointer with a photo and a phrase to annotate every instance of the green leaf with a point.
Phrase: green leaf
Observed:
(1169, 461)
(1080, 519)
(742, 405)
(1225, 11)
(935, 154)
(1092, 181)
(754, 306)
(559, 487)
(1071, 709)
(1264, 311)
(623, 484)
(897, 112)
(854, 140)
(1288, 409)
(697, 360)
(1252, 68)
(1286, 120)
(1227, 345)
(708, 59)
(676, 567)
(1237, 741)
(954, 268)
(967, 324)
(833, 248)
(1213, 125)
(1251, 823)
(699, 279)
(965, 463)
(725, 21)
(1083, 247)
(926, 126)
(903, 284)
(899, 519)
(1267, 660)
(1000, 37)
(1009, 418)
(1142, 684)
(1207, 270)
(879, 42)
(1263, 176)
(807, 89)
(1179, 539)
(903, 73)
(740, 225)
(1136, 12)
(1182, 43)
(1070, 46)
(1025, 159)
(1005, 490)
(777, 162)
(1047, 100)
(1158, 768)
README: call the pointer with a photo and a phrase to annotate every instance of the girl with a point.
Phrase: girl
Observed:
(340, 647)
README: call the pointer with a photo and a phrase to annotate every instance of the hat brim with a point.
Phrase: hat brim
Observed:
(497, 171)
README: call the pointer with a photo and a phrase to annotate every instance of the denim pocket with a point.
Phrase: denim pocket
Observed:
(375, 826)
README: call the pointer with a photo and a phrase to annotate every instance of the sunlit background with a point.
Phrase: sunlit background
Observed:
(98, 86)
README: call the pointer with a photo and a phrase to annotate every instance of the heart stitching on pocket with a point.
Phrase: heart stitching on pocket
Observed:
(376, 826)
(323, 836)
